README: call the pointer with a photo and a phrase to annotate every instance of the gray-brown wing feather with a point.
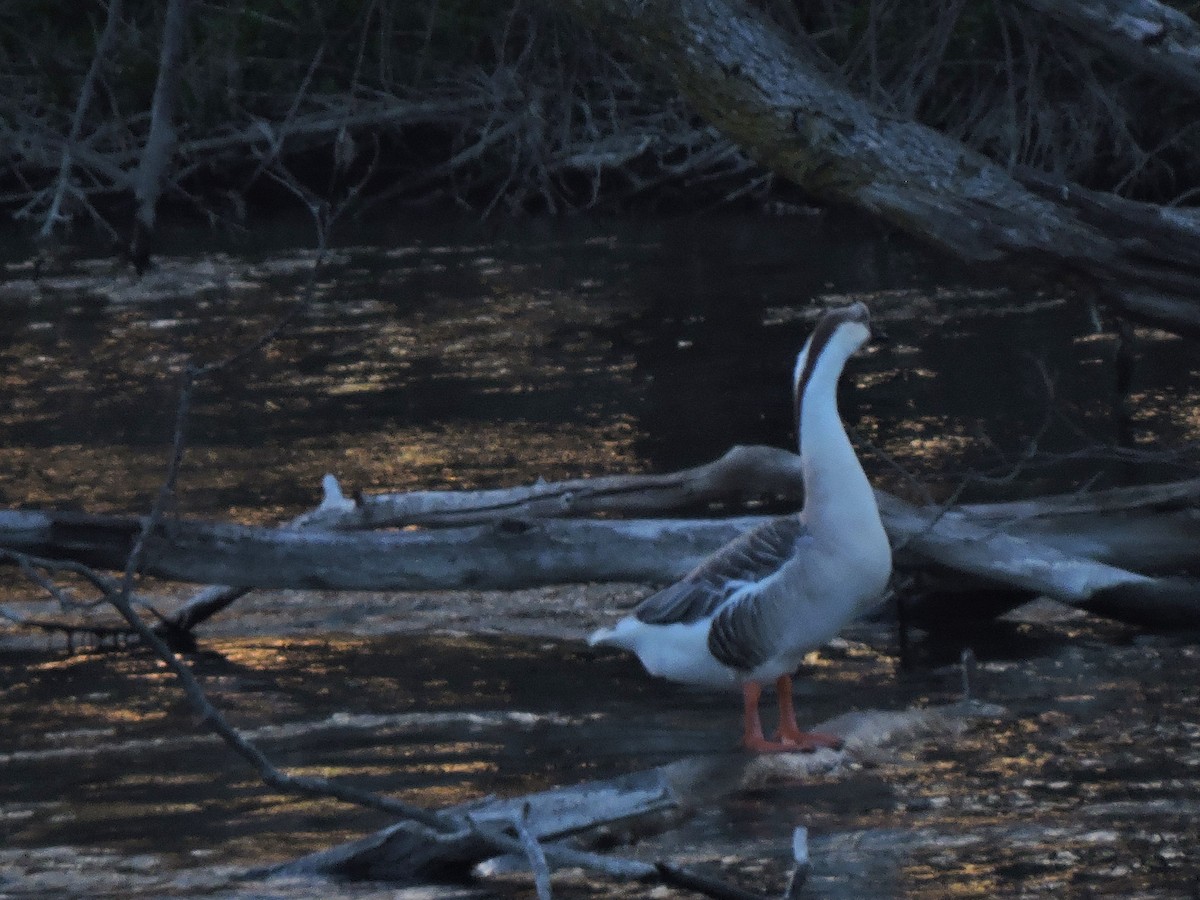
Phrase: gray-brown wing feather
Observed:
(751, 558)
(739, 637)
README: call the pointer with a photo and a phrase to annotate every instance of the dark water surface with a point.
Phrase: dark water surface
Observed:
(1088, 781)
(450, 356)
(471, 358)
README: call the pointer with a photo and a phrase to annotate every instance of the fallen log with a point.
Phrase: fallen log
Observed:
(505, 555)
(744, 476)
(1005, 562)
(1147, 35)
(410, 851)
(524, 553)
(1096, 551)
(1172, 495)
(774, 98)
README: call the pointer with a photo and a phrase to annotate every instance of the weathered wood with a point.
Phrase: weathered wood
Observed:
(523, 553)
(1171, 495)
(505, 555)
(1025, 548)
(773, 99)
(744, 475)
(744, 75)
(151, 174)
(408, 851)
(1141, 540)
(951, 539)
(1148, 35)
(54, 214)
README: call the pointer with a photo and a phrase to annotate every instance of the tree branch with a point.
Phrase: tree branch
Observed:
(54, 213)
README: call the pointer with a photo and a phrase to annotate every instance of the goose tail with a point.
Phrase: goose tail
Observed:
(616, 636)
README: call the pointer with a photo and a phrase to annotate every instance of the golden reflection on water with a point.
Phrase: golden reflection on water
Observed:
(504, 344)
(493, 372)
(393, 390)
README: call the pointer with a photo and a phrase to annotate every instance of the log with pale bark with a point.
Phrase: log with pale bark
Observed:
(1150, 36)
(151, 174)
(773, 98)
(646, 801)
(1087, 550)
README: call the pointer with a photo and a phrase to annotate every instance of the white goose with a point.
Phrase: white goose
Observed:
(750, 612)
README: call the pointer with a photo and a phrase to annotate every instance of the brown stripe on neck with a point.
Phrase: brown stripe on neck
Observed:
(821, 336)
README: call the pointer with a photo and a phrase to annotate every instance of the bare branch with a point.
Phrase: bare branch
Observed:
(103, 45)
(153, 168)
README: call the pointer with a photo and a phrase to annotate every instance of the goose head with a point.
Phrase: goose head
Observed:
(839, 334)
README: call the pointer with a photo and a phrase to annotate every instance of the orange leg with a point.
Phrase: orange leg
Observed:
(752, 732)
(789, 731)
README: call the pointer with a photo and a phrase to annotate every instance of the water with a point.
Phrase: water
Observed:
(1088, 780)
(463, 359)
(445, 355)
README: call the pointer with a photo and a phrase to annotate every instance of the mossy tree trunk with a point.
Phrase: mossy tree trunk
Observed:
(772, 97)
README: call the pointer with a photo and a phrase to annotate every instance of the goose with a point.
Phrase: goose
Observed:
(747, 615)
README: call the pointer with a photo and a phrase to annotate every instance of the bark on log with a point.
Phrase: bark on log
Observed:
(743, 476)
(526, 554)
(505, 555)
(151, 173)
(1147, 35)
(408, 851)
(1089, 558)
(744, 75)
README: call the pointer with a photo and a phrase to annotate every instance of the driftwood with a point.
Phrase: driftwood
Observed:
(1003, 561)
(640, 800)
(408, 850)
(740, 478)
(506, 555)
(1172, 495)
(1089, 550)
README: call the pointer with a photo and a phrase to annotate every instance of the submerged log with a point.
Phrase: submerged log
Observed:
(409, 851)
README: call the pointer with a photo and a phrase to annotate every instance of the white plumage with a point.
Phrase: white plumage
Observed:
(747, 615)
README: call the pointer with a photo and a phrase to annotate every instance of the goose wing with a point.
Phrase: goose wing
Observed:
(738, 568)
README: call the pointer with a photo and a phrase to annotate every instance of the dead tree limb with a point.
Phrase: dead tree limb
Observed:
(506, 555)
(741, 478)
(745, 76)
(62, 182)
(679, 787)
(153, 167)
(525, 553)
(1071, 549)
(1148, 35)
(1169, 496)
(427, 843)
